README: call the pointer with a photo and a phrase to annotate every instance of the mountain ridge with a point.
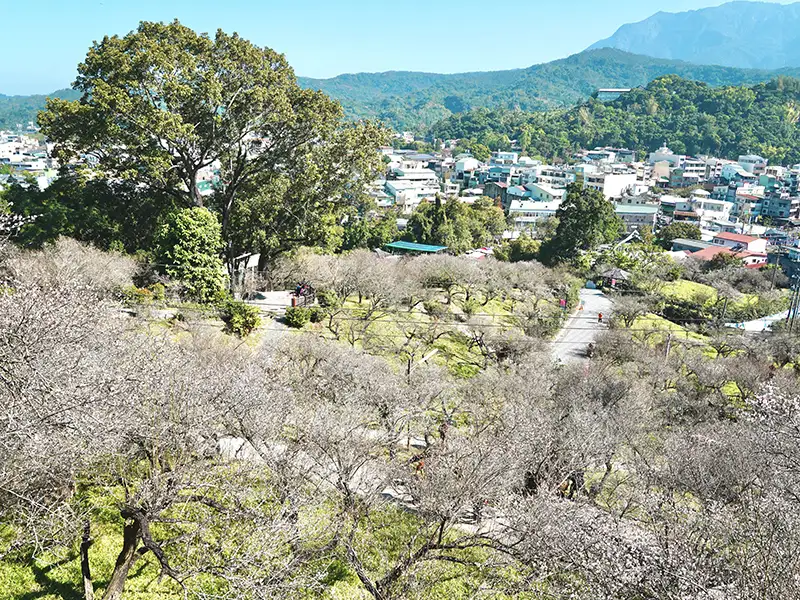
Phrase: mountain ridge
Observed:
(741, 34)
(416, 100)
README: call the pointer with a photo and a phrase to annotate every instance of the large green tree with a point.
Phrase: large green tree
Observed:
(163, 105)
(456, 224)
(107, 214)
(585, 220)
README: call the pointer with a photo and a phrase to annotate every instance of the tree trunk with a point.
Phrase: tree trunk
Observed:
(125, 560)
(86, 542)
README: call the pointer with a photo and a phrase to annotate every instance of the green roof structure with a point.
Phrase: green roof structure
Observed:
(412, 247)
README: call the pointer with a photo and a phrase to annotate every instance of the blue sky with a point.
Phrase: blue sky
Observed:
(41, 43)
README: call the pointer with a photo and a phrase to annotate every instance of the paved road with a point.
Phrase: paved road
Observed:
(581, 328)
(759, 325)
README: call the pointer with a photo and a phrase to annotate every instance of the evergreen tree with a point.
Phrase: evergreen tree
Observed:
(585, 220)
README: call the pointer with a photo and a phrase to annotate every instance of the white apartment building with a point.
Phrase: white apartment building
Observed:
(544, 192)
(410, 194)
(611, 185)
(752, 163)
(526, 213)
(504, 158)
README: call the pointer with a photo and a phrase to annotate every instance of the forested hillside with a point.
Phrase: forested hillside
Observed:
(20, 110)
(415, 100)
(409, 100)
(692, 117)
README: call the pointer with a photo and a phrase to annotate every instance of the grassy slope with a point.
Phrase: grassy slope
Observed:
(57, 576)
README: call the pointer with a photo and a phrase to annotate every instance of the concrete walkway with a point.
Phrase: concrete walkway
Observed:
(274, 303)
(582, 327)
(759, 325)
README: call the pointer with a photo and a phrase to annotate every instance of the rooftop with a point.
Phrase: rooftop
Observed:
(638, 209)
(712, 251)
(735, 237)
(687, 243)
(413, 247)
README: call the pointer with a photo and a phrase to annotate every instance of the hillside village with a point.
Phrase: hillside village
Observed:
(733, 202)
(722, 197)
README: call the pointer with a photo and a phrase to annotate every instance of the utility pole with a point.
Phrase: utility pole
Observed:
(669, 346)
(775, 273)
(794, 305)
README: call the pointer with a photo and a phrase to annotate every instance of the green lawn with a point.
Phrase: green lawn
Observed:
(688, 291)
(692, 291)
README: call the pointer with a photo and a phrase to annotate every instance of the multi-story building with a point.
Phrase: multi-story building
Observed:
(780, 207)
(752, 163)
(611, 185)
(637, 215)
(524, 214)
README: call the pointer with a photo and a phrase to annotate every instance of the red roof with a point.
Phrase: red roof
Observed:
(735, 237)
(710, 252)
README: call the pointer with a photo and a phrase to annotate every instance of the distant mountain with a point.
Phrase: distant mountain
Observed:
(20, 110)
(410, 100)
(757, 35)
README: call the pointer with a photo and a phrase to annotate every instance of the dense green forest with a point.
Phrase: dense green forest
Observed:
(20, 110)
(691, 117)
(415, 100)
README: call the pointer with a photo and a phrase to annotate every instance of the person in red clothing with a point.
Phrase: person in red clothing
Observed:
(600, 318)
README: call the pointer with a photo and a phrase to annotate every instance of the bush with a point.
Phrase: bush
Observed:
(240, 319)
(187, 246)
(328, 299)
(134, 296)
(317, 314)
(159, 292)
(297, 316)
(434, 308)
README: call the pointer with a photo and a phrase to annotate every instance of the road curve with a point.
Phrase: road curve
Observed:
(582, 327)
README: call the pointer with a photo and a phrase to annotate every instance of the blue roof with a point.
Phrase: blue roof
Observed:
(412, 247)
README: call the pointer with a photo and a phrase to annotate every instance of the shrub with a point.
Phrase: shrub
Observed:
(240, 319)
(471, 307)
(297, 316)
(159, 292)
(434, 308)
(317, 314)
(187, 246)
(328, 299)
(133, 296)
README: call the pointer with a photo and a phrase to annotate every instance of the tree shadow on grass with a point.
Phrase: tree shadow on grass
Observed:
(50, 586)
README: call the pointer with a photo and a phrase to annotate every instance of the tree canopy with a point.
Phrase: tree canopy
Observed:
(164, 107)
(585, 220)
(455, 224)
(692, 117)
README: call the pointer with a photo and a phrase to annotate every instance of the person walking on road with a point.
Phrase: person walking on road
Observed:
(600, 318)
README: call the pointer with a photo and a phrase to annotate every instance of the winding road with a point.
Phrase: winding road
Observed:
(581, 328)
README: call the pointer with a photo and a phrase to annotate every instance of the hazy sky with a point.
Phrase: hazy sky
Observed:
(41, 43)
